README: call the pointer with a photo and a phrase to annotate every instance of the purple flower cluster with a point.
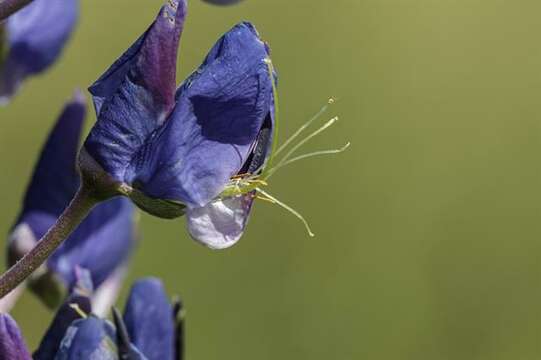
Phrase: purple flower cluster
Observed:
(151, 328)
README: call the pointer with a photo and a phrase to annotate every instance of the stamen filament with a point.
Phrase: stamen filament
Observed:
(299, 144)
(309, 155)
(288, 208)
(265, 199)
(303, 127)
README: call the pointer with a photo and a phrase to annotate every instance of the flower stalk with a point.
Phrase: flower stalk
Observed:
(79, 207)
(9, 7)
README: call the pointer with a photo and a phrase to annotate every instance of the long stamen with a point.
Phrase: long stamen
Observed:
(309, 155)
(299, 144)
(288, 208)
(303, 127)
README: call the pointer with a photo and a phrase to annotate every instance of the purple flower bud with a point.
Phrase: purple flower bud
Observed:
(149, 320)
(176, 155)
(103, 241)
(12, 345)
(90, 338)
(34, 38)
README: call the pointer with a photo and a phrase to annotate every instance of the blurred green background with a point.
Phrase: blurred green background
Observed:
(427, 229)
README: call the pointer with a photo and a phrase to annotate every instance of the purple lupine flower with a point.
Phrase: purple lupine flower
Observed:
(33, 39)
(103, 241)
(183, 152)
(75, 333)
(151, 328)
(12, 345)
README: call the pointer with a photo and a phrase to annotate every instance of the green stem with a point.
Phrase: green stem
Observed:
(77, 210)
(8, 7)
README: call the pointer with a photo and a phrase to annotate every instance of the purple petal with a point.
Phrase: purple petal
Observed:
(64, 317)
(219, 114)
(149, 320)
(221, 223)
(54, 182)
(55, 179)
(137, 93)
(12, 345)
(36, 36)
(90, 338)
(102, 242)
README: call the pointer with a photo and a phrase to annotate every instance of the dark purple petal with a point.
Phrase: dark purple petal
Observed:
(136, 94)
(219, 114)
(12, 345)
(64, 317)
(55, 179)
(221, 223)
(90, 338)
(35, 38)
(149, 320)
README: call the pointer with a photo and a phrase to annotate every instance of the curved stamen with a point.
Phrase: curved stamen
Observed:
(301, 143)
(288, 208)
(312, 154)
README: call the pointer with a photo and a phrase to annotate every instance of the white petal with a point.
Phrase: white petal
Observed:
(221, 223)
(105, 296)
(22, 239)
